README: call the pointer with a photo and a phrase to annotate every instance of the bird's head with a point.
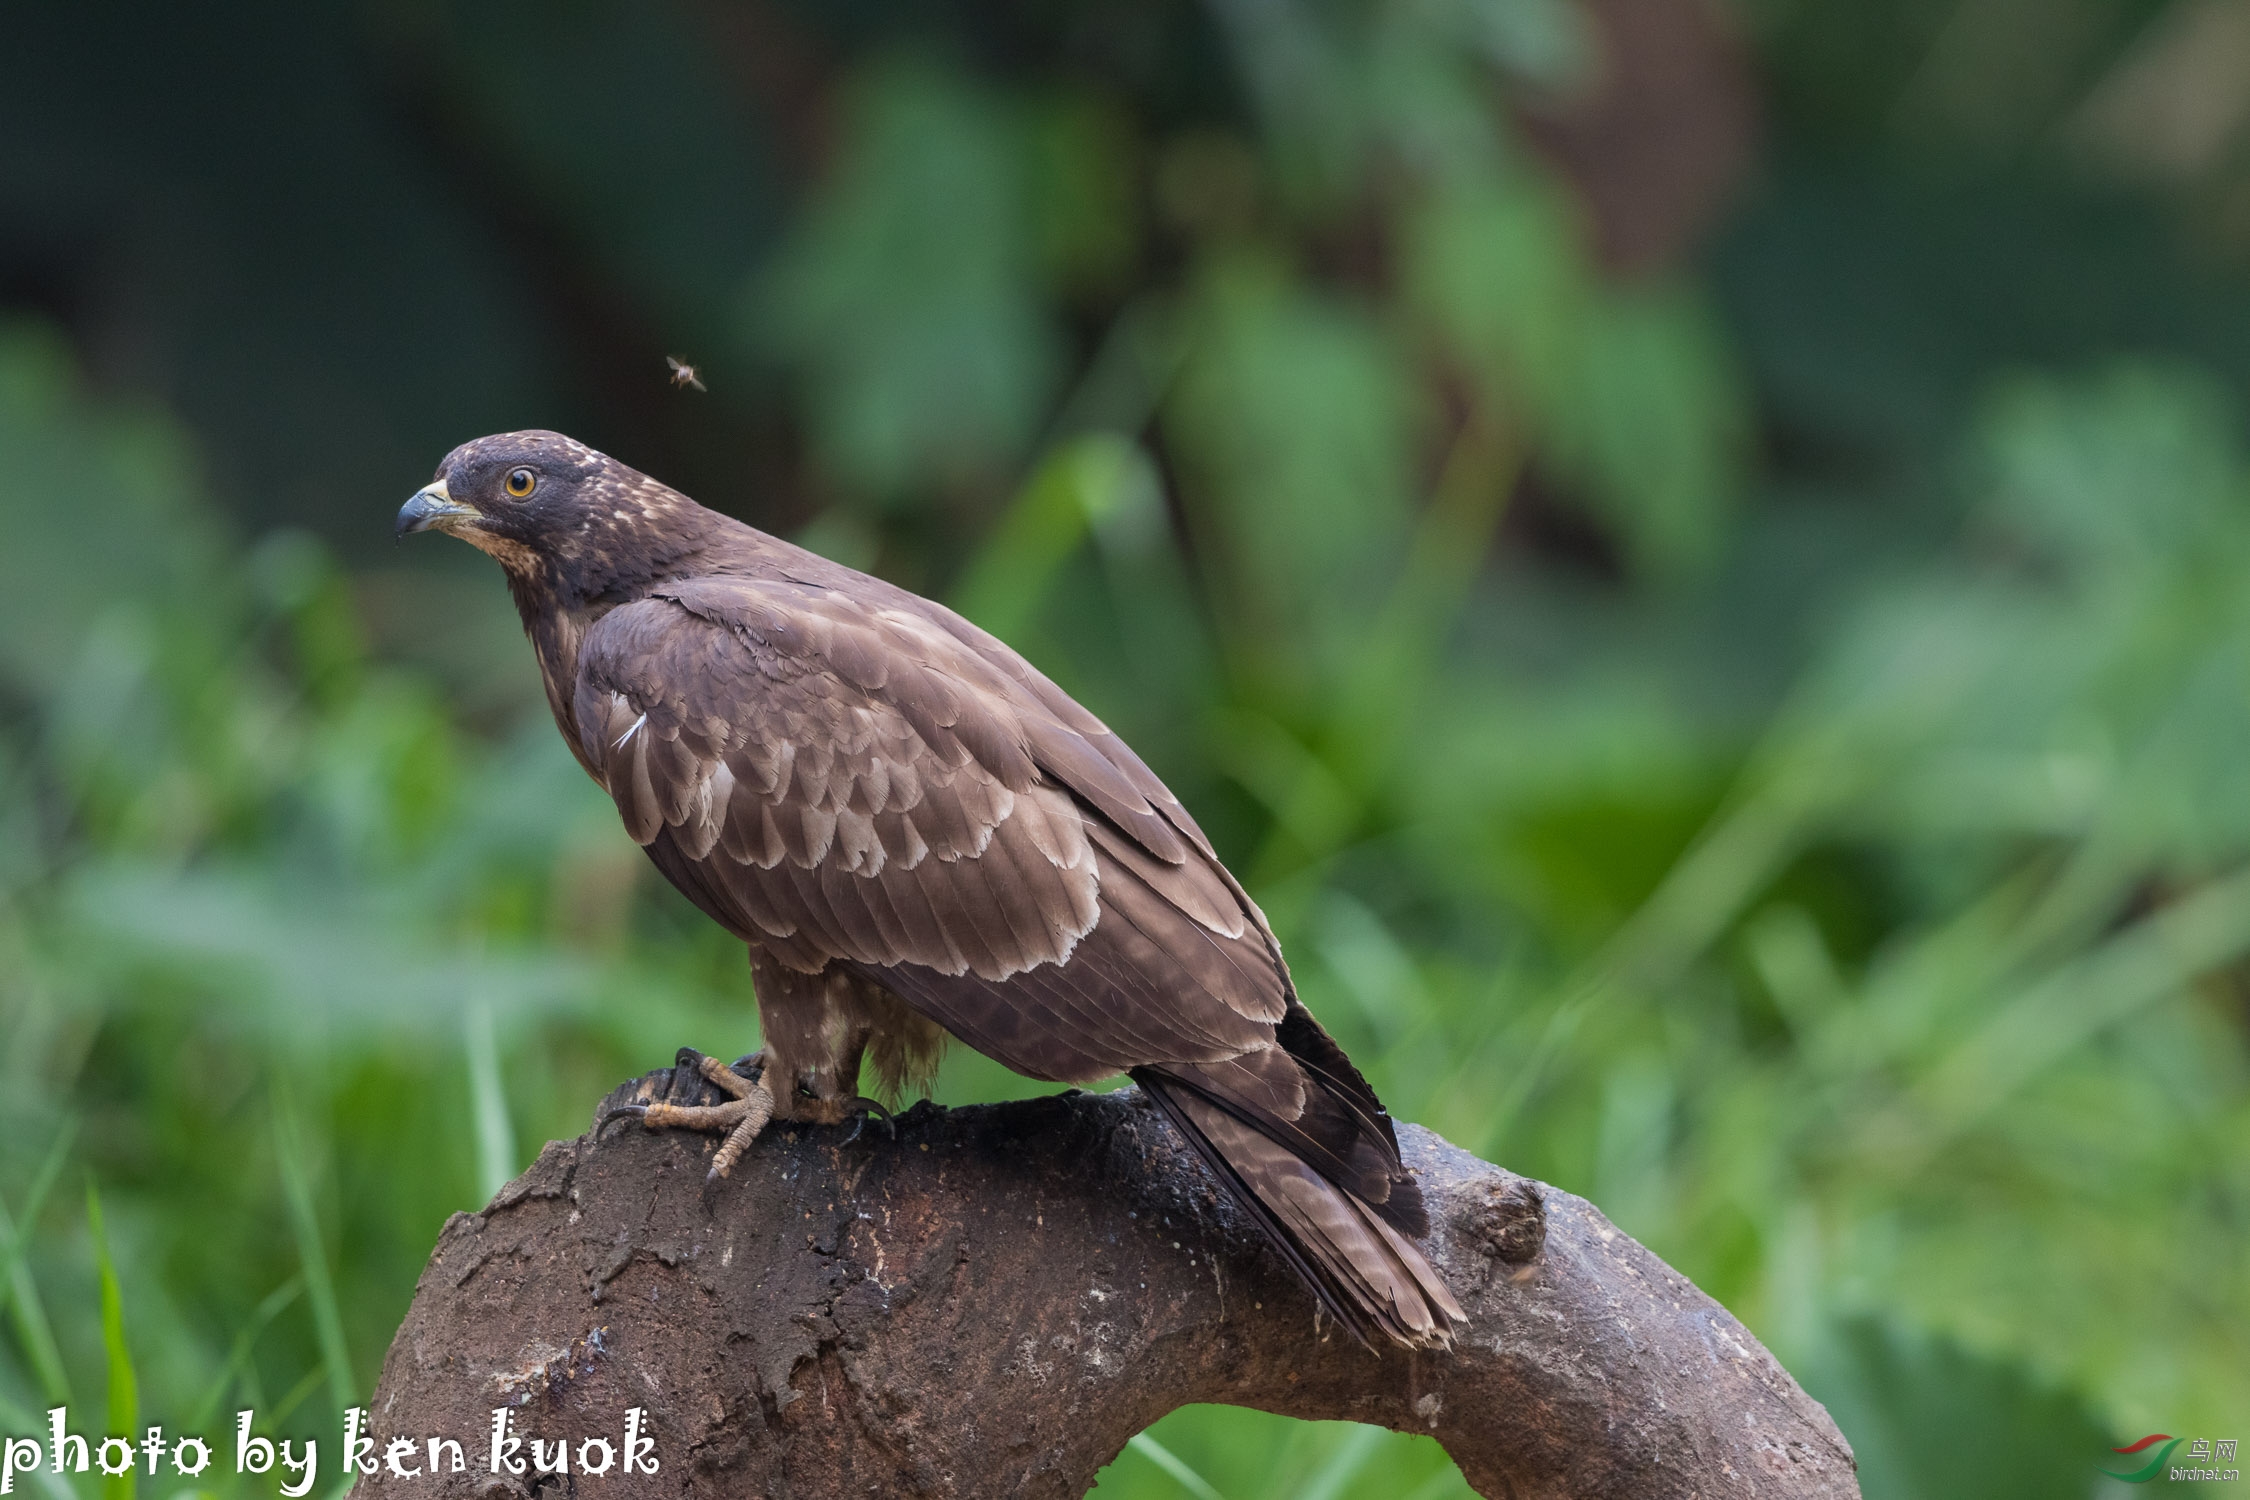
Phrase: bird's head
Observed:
(549, 507)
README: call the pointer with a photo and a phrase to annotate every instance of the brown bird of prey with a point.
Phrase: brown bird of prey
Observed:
(919, 837)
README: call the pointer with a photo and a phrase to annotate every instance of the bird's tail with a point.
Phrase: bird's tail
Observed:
(1308, 1181)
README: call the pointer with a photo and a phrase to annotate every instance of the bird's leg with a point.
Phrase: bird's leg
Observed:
(817, 1028)
(742, 1116)
(827, 1092)
(755, 1094)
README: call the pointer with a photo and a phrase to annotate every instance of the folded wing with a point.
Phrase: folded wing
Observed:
(858, 776)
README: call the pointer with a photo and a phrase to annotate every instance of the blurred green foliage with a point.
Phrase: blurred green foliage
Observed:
(1836, 866)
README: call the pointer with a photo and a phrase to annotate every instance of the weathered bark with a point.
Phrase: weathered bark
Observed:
(996, 1300)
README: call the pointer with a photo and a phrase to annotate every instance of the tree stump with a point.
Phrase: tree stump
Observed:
(995, 1300)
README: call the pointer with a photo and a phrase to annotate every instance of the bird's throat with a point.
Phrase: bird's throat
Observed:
(519, 561)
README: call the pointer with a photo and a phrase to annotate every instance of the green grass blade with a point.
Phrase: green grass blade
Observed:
(14, 1246)
(252, 1388)
(1172, 1464)
(18, 1292)
(33, 1331)
(328, 1321)
(1344, 1464)
(124, 1390)
(496, 1139)
(296, 1397)
(276, 1302)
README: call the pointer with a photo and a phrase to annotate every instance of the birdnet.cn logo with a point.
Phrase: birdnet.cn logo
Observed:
(2206, 1459)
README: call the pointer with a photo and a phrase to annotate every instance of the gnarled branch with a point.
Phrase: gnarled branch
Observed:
(996, 1300)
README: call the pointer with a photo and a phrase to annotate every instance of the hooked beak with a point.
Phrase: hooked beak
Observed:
(432, 506)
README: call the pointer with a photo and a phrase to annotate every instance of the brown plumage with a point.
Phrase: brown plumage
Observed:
(918, 835)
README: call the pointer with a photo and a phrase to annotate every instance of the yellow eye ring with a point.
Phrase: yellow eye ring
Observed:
(521, 482)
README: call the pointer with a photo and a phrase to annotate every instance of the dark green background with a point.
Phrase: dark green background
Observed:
(1697, 560)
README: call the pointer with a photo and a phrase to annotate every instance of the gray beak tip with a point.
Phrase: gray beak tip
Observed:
(427, 508)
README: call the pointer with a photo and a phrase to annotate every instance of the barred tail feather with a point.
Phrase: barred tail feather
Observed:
(1368, 1275)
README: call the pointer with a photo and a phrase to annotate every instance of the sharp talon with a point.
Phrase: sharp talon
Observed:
(636, 1110)
(738, 1118)
(865, 1107)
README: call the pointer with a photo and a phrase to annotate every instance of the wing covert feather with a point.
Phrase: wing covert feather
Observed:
(803, 795)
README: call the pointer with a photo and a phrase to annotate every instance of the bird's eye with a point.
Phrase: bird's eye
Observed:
(521, 482)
